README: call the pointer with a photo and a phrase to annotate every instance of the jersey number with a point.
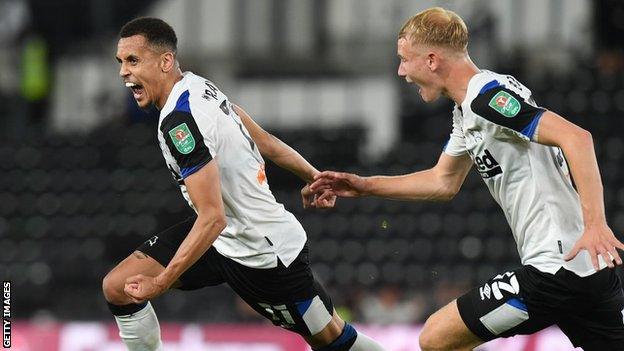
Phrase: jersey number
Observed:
(279, 314)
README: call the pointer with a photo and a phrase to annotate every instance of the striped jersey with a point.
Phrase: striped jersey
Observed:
(496, 125)
(198, 124)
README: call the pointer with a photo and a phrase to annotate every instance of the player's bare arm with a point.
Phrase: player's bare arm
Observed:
(276, 150)
(578, 147)
(204, 189)
(439, 183)
(286, 157)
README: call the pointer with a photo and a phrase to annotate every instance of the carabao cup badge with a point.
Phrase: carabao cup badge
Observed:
(182, 138)
(505, 104)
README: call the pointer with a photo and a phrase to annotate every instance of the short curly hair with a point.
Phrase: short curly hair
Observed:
(156, 31)
(436, 27)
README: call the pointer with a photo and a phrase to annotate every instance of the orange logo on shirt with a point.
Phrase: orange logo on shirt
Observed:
(261, 174)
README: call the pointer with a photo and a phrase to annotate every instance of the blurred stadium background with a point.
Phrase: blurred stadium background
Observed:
(83, 181)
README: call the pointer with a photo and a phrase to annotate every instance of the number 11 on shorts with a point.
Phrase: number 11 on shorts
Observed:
(279, 313)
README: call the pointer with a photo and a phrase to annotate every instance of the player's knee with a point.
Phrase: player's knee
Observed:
(426, 342)
(429, 342)
(430, 339)
(112, 289)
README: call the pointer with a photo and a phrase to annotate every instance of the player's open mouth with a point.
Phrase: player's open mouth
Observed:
(137, 90)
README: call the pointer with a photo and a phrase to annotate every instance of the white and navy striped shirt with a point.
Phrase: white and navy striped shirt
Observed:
(496, 125)
(198, 124)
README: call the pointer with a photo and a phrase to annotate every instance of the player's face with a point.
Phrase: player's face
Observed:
(416, 67)
(140, 69)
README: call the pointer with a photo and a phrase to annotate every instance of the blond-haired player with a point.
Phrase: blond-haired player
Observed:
(527, 157)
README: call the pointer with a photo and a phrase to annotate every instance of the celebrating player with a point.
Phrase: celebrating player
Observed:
(518, 149)
(241, 235)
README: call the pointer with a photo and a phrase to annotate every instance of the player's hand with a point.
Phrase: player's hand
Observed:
(340, 184)
(312, 200)
(598, 241)
(141, 287)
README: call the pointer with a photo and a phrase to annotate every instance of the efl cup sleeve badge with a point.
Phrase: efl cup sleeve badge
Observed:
(505, 104)
(182, 138)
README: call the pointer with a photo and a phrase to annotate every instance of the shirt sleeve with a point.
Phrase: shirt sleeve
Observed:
(506, 108)
(456, 144)
(185, 141)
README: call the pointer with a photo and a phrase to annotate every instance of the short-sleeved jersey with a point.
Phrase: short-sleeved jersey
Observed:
(198, 124)
(496, 125)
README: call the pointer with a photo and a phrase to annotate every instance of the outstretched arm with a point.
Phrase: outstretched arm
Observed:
(439, 183)
(287, 158)
(276, 150)
(578, 147)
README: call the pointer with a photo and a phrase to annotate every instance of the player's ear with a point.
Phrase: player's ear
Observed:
(433, 60)
(167, 61)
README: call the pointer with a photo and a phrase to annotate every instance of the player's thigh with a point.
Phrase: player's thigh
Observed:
(506, 305)
(445, 330)
(312, 315)
(162, 247)
(594, 320)
(137, 263)
(593, 334)
(151, 258)
(289, 297)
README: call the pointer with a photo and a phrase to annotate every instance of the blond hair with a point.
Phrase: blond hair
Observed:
(436, 27)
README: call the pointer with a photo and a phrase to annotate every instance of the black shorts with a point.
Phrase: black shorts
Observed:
(288, 296)
(589, 310)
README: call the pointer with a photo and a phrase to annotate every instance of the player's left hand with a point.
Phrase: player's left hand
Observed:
(141, 287)
(598, 241)
(311, 199)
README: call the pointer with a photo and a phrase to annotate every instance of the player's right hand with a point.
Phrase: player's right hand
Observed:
(141, 287)
(340, 184)
(313, 200)
(598, 240)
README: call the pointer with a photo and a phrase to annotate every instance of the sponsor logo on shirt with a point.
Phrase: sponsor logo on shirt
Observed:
(182, 138)
(487, 165)
(505, 104)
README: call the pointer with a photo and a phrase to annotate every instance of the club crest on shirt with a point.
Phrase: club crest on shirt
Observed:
(505, 104)
(182, 138)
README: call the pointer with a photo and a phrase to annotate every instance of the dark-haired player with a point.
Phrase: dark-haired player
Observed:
(241, 235)
(561, 233)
